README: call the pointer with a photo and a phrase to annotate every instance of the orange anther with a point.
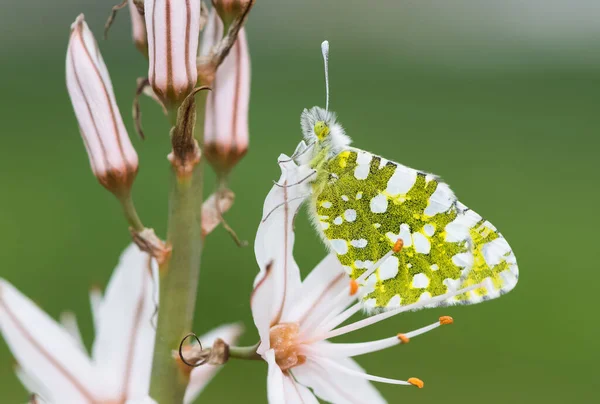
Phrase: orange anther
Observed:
(398, 245)
(416, 382)
(403, 338)
(444, 320)
(353, 287)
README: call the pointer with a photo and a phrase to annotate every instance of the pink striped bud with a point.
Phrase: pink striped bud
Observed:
(112, 157)
(138, 28)
(229, 10)
(173, 27)
(226, 120)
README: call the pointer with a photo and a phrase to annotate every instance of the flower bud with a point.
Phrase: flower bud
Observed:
(226, 120)
(112, 157)
(138, 29)
(173, 28)
(229, 10)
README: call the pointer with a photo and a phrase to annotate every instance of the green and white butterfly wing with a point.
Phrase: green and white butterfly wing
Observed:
(367, 203)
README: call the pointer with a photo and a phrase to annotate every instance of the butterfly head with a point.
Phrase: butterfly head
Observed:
(320, 128)
(319, 125)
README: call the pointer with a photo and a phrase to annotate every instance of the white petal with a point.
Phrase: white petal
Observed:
(124, 341)
(295, 393)
(202, 375)
(337, 387)
(95, 303)
(321, 285)
(45, 351)
(261, 303)
(275, 390)
(275, 236)
(69, 322)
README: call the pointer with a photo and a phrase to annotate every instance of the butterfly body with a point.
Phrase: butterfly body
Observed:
(362, 204)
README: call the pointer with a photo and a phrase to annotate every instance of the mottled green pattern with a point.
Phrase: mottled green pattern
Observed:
(333, 196)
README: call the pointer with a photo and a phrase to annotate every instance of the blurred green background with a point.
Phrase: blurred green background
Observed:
(499, 99)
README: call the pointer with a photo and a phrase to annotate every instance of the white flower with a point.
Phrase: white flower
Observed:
(53, 362)
(296, 318)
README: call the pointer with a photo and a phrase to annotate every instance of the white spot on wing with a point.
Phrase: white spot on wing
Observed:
(389, 269)
(338, 220)
(324, 225)
(401, 181)
(350, 215)
(394, 302)
(424, 296)
(379, 204)
(359, 195)
(370, 303)
(347, 269)
(345, 198)
(495, 251)
(339, 246)
(360, 243)
(434, 267)
(422, 244)
(458, 229)
(382, 163)
(326, 204)
(420, 281)
(429, 229)
(363, 165)
(441, 200)
(405, 235)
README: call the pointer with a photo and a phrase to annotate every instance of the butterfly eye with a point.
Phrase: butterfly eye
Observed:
(321, 130)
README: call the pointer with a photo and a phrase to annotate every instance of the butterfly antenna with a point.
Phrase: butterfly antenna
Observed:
(325, 51)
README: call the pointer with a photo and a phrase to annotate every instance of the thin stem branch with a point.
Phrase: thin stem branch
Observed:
(244, 352)
(130, 212)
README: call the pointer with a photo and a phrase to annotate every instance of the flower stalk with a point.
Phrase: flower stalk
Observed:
(180, 272)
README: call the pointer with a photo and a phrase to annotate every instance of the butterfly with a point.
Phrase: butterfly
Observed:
(400, 234)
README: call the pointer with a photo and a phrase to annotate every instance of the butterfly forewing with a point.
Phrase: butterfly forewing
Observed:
(367, 203)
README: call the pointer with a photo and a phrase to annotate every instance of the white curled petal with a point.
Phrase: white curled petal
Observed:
(202, 375)
(275, 389)
(275, 235)
(124, 341)
(44, 350)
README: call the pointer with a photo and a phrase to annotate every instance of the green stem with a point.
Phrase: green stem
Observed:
(130, 212)
(244, 352)
(178, 282)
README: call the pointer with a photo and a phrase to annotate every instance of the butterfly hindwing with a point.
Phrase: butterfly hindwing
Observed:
(367, 203)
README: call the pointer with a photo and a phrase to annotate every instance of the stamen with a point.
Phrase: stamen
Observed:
(361, 348)
(403, 338)
(382, 316)
(332, 364)
(373, 267)
(353, 287)
(445, 320)
(416, 382)
(330, 322)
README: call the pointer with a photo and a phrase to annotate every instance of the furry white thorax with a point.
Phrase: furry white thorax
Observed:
(336, 141)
